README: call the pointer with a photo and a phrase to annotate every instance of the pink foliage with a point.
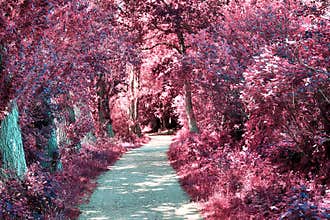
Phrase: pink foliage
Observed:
(232, 184)
(264, 113)
(259, 75)
(42, 195)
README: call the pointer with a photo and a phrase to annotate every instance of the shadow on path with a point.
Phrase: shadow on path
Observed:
(141, 185)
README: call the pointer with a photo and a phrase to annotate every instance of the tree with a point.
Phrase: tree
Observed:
(133, 109)
(16, 21)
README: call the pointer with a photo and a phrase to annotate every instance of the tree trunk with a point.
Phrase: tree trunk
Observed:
(46, 138)
(11, 146)
(103, 107)
(62, 123)
(73, 112)
(53, 153)
(1, 58)
(89, 137)
(134, 85)
(192, 124)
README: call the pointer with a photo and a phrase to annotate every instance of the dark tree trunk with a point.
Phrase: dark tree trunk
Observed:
(103, 92)
(46, 138)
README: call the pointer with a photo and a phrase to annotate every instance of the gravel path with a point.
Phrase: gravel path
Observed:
(141, 185)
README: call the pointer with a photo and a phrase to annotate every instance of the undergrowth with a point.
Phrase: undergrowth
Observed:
(44, 195)
(231, 183)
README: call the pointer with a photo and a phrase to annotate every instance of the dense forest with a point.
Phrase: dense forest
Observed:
(244, 84)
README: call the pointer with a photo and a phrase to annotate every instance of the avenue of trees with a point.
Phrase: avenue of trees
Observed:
(245, 82)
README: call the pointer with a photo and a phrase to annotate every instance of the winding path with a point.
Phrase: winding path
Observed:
(141, 185)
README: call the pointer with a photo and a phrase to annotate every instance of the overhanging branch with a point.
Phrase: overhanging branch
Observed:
(172, 46)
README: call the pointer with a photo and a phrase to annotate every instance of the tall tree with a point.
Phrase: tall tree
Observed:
(16, 77)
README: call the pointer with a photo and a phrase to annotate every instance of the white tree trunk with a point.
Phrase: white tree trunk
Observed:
(192, 124)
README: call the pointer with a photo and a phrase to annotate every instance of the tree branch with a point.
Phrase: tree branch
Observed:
(173, 46)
